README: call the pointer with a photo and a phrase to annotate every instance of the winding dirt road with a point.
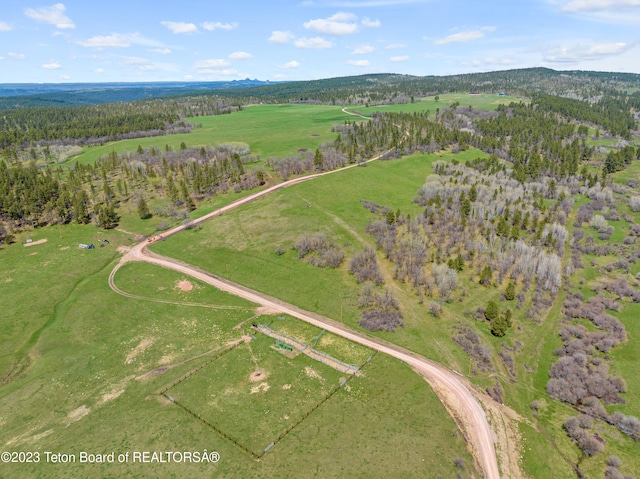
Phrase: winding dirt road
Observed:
(452, 389)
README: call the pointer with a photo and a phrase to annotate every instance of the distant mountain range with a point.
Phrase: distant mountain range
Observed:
(25, 89)
(583, 85)
(20, 95)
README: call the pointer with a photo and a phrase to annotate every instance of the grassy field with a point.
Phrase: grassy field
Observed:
(241, 246)
(97, 365)
(483, 101)
(41, 276)
(298, 127)
(255, 411)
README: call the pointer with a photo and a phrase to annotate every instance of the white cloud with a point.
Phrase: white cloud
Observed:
(135, 61)
(5, 27)
(180, 27)
(315, 42)
(1, 58)
(52, 66)
(575, 6)
(219, 26)
(148, 68)
(281, 37)
(17, 56)
(218, 72)
(363, 50)
(291, 64)
(490, 62)
(64, 77)
(399, 59)
(500, 61)
(578, 53)
(608, 11)
(53, 15)
(466, 36)
(161, 51)
(240, 55)
(395, 46)
(118, 40)
(371, 23)
(213, 64)
(335, 25)
(359, 63)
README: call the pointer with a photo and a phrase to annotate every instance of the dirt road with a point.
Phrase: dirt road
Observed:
(452, 389)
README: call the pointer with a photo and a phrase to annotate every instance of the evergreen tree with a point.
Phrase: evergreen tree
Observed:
(107, 216)
(485, 275)
(499, 326)
(318, 160)
(492, 311)
(503, 227)
(391, 217)
(510, 292)
(186, 197)
(143, 209)
(81, 208)
(172, 191)
(473, 193)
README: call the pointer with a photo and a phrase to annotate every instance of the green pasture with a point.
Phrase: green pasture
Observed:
(255, 411)
(95, 368)
(484, 101)
(241, 245)
(35, 279)
(281, 130)
(270, 130)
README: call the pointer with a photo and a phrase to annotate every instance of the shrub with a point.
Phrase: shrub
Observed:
(598, 222)
(319, 251)
(364, 266)
(380, 311)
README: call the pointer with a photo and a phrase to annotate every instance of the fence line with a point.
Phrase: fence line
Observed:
(203, 365)
(305, 349)
(282, 435)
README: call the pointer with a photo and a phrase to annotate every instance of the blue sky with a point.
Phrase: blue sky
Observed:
(203, 40)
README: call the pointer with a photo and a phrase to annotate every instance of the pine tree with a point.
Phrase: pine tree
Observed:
(492, 311)
(186, 197)
(473, 193)
(485, 275)
(510, 292)
(499, 326)
(80, 208)
(318, 160)
(503, 227)
(143, 209)
(391, 217)
(107, 217)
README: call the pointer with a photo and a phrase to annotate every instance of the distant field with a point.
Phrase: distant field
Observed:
(280, 130)
(270, 130)
(480, 102)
